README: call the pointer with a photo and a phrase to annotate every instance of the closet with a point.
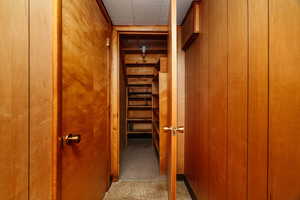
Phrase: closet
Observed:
(143, 95)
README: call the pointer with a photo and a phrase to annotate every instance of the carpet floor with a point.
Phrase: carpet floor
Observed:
(144, 190)
(140, 178)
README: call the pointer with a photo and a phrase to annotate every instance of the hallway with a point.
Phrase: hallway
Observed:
(140, 178)
(150, 99)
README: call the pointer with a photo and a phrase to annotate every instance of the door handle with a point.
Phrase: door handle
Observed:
(179, 129)
(71, 139)
(174, 130)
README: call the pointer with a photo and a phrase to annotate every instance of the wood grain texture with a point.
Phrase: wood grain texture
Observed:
(217, 102)
(163, 120)
(57, 97)
(237, 99)
(115, 107)
(85, 105)
(41, 91)
(14, 106)
(196, 135)
(253, 103)
(138, 59)
(181, 101)
(284, 108)
(173, 103)
(258, 100)
(191, 25)
(218, 98)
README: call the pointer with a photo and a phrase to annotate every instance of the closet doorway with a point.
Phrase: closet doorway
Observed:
(143, 105)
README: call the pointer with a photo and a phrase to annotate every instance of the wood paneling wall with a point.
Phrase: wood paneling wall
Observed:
(26, 99)
(284, 96)
(41, 96)
(242, 101)
(14, 103)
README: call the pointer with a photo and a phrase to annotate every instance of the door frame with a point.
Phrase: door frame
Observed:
(56, 101)
(115, 87)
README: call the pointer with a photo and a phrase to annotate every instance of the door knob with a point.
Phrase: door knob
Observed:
(179, 129)
(71, 139)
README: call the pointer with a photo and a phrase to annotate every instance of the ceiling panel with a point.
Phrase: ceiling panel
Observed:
(144, 12)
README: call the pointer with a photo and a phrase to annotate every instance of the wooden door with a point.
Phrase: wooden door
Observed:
(85, 102)
(172, 118)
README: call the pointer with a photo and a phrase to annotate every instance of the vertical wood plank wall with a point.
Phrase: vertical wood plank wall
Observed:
(26, 99)
(14, 104)
(284, 97)
(41, 96)
(258, 79)
(243, 102)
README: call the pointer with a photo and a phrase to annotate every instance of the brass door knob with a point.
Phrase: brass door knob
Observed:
(71, 139)
(179, 129)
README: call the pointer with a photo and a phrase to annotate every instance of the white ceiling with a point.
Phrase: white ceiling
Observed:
(144, 12)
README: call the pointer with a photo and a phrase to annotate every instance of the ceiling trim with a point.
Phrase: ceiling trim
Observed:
(130, 28)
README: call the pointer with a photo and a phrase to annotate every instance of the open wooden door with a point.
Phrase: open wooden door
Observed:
(172, 119)
(85, 155)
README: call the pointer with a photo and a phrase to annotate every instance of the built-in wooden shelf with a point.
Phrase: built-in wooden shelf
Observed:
(149, 50)
(140, 76)
(132, 93)
(140, 64)
(139, 85)
(140, 131)
(140, 107)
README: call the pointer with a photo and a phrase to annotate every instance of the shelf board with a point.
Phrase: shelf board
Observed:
(133, 93)
(134, 108)
(139, 98)
(140, 64)
(149, 50)
(139, 85)
(139, 76)
(140, 119)
(140, 107)
(139, 131)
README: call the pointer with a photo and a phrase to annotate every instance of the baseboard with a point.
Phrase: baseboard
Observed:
(114, 178)
(181, 177)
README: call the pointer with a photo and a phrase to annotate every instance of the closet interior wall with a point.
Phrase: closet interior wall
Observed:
(243, 101)
(123, 100)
